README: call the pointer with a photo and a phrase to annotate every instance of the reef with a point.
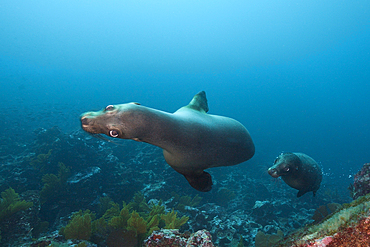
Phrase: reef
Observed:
(170, 237)
(361, 184)
(348, 226)
(76, 182)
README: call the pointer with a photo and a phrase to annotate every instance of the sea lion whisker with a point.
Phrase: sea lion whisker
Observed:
(99, 136)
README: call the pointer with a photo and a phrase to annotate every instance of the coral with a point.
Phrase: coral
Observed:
(361, 184)
(200, 238)
(166, 237)
(171, 220)
(10, 204)
(173, 238)
(79, 227)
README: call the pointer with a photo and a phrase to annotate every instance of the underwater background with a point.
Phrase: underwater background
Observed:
(295, 73)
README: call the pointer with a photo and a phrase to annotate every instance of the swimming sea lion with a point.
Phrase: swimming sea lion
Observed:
(191, 139)
(299, 171)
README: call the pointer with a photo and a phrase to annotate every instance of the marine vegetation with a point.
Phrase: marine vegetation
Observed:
(79, 227)
(241, 242)
(54, 185)
(40, 161)
(225, 195)
(324, 210)
(186, 201)
(133, 222)
(10, 204)
(267, 240)
(171, 220)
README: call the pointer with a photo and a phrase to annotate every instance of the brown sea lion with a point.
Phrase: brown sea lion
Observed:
(191, 139)
(299, 171)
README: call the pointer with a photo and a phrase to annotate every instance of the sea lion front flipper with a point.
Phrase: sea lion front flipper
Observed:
(203, 182)
(199, 102)
(301, 193)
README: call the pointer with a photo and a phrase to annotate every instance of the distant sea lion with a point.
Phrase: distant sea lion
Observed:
(191, 139)
(299, 171)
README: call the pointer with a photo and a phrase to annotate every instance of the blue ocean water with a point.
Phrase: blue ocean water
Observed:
(296, 74)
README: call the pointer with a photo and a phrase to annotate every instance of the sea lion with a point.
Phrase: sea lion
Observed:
(191, 139)
(299, 171)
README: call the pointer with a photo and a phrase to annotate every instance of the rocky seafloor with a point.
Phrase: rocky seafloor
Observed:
(63, 173)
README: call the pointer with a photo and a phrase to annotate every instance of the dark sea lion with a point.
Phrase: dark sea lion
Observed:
(299, 171)
(191, 139)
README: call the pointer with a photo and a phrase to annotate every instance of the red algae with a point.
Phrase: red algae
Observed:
(353, 236)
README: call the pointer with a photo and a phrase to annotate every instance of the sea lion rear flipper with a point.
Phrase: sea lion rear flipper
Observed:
(203, 182)
(199, 102)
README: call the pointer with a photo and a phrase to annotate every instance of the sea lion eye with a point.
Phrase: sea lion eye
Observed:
(113, 133)
(109, 108)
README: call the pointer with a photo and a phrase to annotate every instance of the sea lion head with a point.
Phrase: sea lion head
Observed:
(114, 121)
(284, 165)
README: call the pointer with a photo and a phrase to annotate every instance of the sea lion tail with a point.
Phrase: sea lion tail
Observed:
(202, 182)
(199, 102)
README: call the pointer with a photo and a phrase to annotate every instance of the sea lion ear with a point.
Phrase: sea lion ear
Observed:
(199, 102)
(203, 182)
(135, 103)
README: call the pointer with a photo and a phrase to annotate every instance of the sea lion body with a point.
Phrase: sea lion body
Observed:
(299, 171)
(191, 139)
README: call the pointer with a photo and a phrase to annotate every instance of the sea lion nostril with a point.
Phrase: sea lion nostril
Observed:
(84, 121)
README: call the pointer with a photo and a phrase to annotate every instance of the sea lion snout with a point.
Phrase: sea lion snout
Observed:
(273, 172)
(87, 125)
(84, 122)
